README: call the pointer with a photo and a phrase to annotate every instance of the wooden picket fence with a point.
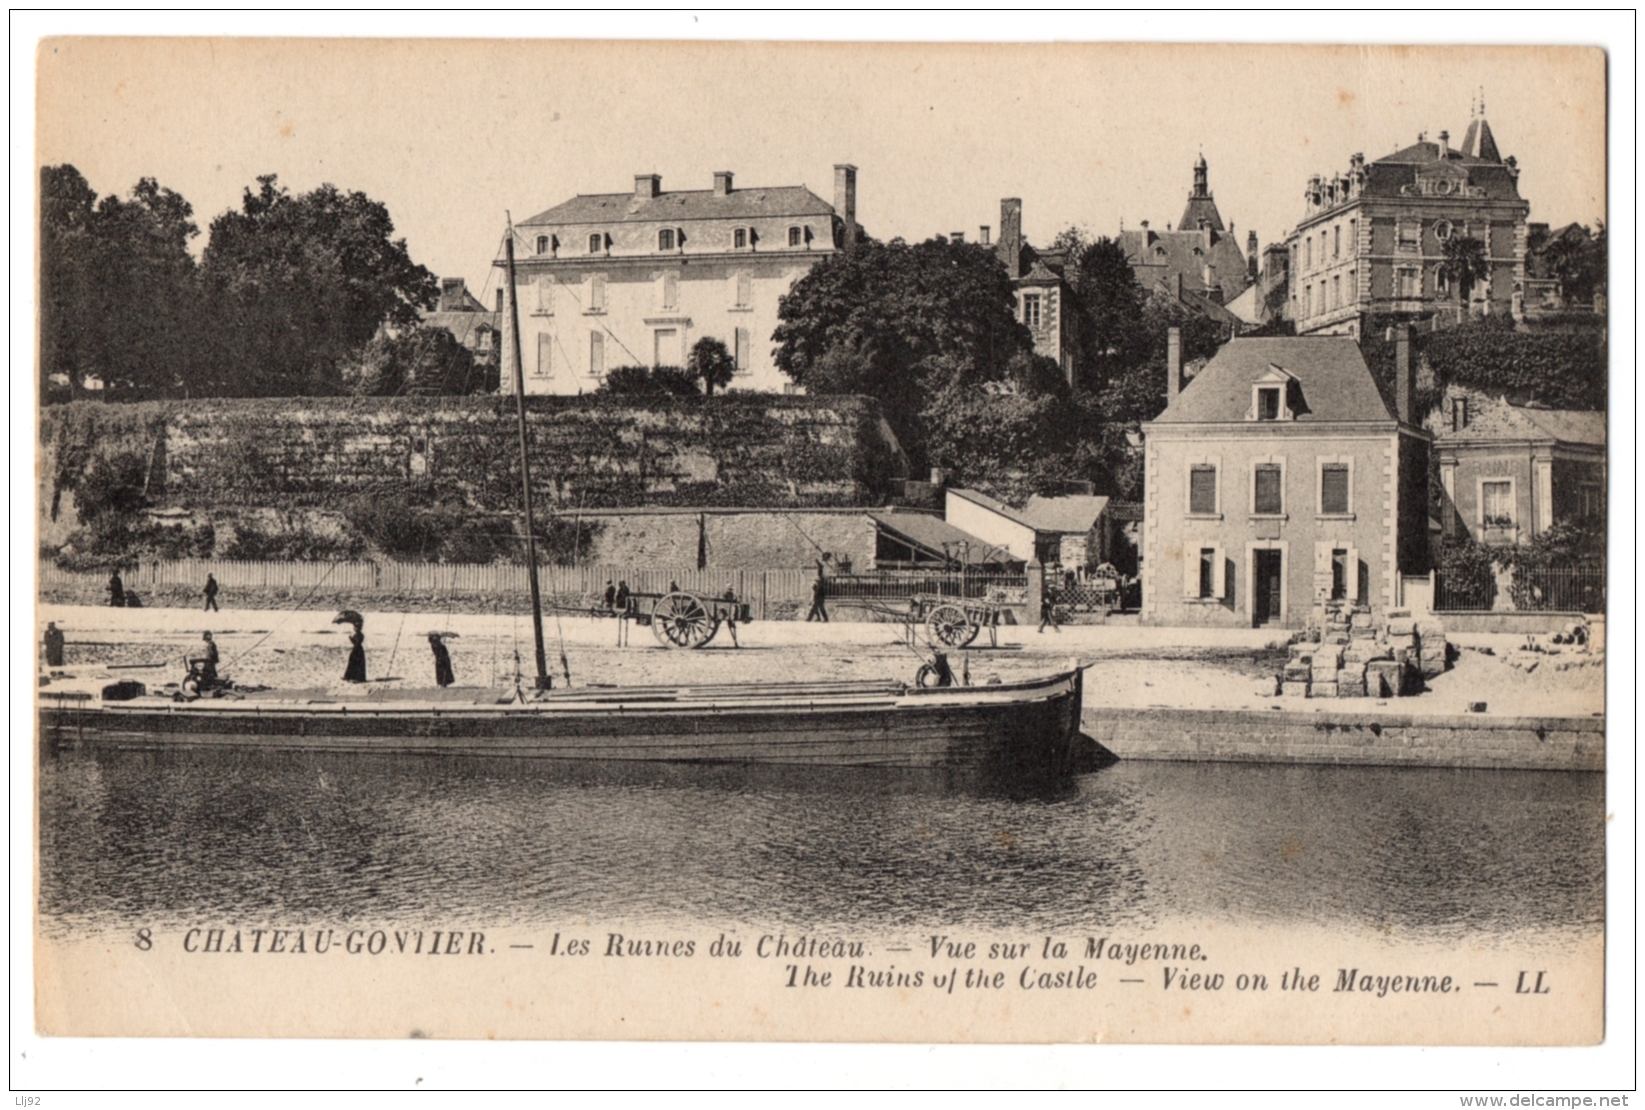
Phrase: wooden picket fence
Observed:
(567, 585)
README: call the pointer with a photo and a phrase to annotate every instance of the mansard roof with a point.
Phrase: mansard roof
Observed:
(685, 204)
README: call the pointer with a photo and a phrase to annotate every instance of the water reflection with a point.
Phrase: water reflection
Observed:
(306, 839)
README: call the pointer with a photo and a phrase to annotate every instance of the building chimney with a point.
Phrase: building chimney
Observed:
(722, 183)
(845, 200)
(982, 234)
(451, 294)
(1011, 235)
(500, 304)
(647, 185)
(1405, 380)
(1251, 256)
(1444, 143)
(1173, 364)
(956, 236)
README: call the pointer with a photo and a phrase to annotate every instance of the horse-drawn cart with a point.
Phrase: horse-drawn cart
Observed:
(684, 619)
(956, 621)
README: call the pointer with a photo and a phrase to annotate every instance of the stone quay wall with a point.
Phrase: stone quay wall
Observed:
(1342, 737)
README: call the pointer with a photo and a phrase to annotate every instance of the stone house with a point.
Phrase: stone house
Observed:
(467, 319)
(617, 279)
(1509, 472)
(1372, 240)
(1043, 296)
(1088, 530)
(1199, 263)
(999, 527)
(1278, 479)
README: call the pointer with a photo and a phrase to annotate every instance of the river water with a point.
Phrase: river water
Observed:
(172, 840)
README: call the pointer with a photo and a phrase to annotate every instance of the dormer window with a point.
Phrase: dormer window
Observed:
(542, 244)
(796, 238)
(1271, 395)
(665, 239)
(596, 243)
(742, 238)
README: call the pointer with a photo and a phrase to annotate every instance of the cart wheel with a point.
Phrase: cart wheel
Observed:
(682, 620)
(950, 626)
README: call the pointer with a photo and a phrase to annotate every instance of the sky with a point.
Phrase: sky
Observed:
(451, 135)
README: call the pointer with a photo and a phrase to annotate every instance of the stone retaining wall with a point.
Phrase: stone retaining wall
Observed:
(1330, 736)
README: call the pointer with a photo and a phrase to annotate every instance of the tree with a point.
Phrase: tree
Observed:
(299, 283)
(898, 322)
(649, 381)
(1110, 329)
(419, 361)
(1465, 263)
(118, 288)
(711, 363)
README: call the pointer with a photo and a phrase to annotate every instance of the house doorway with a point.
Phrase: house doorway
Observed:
(1267, 590)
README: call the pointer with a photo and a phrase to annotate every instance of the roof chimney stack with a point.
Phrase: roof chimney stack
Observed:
(722, 183)
(647, 185)
(956, 236)
(1405, 380)
(1011, 235)
(845, 200)
(1173, 364)
(1251, 256)
(982, 235)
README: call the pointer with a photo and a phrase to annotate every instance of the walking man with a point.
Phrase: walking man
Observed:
(1048, 609)
(117, 590)
(819, 592)
(211, 594)
(54, 645)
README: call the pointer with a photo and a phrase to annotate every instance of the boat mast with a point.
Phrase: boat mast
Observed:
(525, 466)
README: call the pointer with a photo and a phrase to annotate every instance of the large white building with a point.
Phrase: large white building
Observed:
(624, 279)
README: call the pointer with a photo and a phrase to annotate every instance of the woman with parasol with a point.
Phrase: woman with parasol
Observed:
(356, 671)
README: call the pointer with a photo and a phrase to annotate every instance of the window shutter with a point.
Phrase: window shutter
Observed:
(1322, 557)
(745, 290)
(1268, 497)
(596, 353)
(545, 354)
(742, 350)
(671, 290)
(1351, 586)
(1202, 489)
(596, 293)
(1190, 568)
(1220, 586)
(1333, 488)
(545, 295)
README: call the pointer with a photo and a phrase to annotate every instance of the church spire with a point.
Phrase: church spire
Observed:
(1201, 212)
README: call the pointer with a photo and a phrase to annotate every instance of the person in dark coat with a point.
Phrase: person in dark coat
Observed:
(610, 595)
(443, 675)
(211, 593)
(117, 590)
(819, 593)
(621, 598)
(1048, 609)
(54, 645)
(356, 671)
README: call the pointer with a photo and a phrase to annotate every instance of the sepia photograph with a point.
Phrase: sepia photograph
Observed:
(1038, 543)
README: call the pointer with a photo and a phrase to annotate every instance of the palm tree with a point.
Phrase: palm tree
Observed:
(1465, 263)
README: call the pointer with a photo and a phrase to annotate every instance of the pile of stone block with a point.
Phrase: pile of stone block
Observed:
(1345, 653)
